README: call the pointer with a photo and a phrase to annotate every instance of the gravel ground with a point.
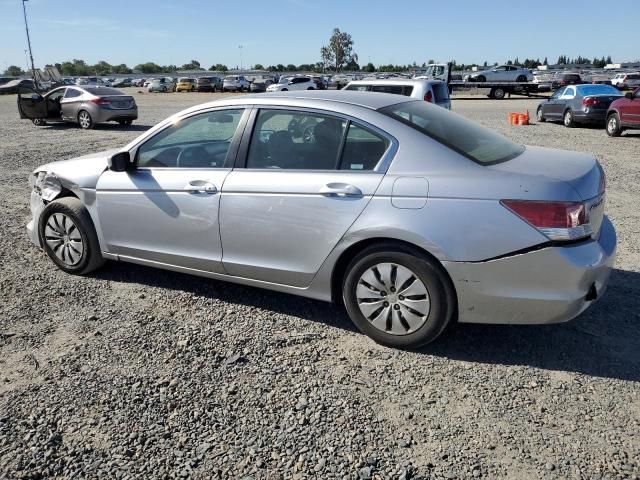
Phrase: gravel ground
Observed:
(140, 373)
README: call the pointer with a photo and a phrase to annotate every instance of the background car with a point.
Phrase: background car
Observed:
(186, 84)
(503, 73)
(625, 81)
(260, 84)
(86, 105)
(564, 79)
(15, 86)
(209, 84)
(352, 214)
(164, 84)
(434, 91)
(293, 83)
(576, 104)
(339, 81)
(121, 82)
(235, 83)
(624, 114)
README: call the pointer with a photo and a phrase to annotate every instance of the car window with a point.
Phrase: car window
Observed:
(598, 90)
(501, 69)
(358, 88)
(405, 90)
(558, 93)
(72, 92)
(441, 92)
(288, 139)
(57, 95)
(637, 93)
(200, 141)
(474, 141)
(363, 149)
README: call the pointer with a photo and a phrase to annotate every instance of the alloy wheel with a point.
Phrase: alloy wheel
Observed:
(393, 298)
(84, 119)
(64, 239)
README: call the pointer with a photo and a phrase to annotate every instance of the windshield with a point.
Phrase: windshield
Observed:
(230, 77)
(468, 138)
(598, 90)
(184, 80)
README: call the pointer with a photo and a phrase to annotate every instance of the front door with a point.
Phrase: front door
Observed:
(630, 109)
(32, 106)
(301, 190)
(554, 106)
(166, 210)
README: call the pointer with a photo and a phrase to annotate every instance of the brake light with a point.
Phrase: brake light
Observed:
(588, 101)
(428, 97)
(563, 82)
(101, 101)
(559, 221)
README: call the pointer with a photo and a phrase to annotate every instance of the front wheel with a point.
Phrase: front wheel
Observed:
(613, 125)
(498, 93)
(84, 120)
(398, 297)
(125, 123)
(284, 90)
(567, 119)
(481, 78)
(68, 236)
(39, 122)
(540, 115)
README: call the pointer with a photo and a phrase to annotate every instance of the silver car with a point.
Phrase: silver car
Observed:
(85, 105)
(503, 73)
(409, 214)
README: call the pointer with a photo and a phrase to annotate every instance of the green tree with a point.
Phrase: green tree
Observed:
(258, 66)
(218, 67)
(280, 67)
(149, 67)
(546, 62)
(339, 52)
(101, 68)
(13, 71)
(369, 67)
(192, 65)
(122, 68)
(291, 68)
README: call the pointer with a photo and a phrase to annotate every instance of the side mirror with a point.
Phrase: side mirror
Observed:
(629, 95)
(35, 97)
(120, 162)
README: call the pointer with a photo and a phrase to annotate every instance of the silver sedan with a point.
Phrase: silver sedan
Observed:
(407, 213)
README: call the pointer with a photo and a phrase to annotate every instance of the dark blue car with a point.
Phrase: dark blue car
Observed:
(575, 104)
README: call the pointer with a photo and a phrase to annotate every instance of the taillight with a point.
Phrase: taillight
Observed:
(563, 82)
(588, 101)
(556, 220)
(428, 97)
(101, 101)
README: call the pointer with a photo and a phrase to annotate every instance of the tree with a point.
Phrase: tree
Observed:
(291, 68)
(122, 68)
(546, 62)
(326, 56)
(13, 71)
(192, 65)
(149, 67)
(218, 67)
(258, 66)
(369, 67)
(339, 52)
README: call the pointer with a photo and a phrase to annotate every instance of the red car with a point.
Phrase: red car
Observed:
(624, 114)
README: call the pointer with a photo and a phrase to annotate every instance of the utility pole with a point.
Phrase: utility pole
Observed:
(26, 27)
(240, 47)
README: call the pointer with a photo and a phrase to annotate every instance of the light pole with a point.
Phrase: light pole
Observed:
(240, 47)
(26, 27)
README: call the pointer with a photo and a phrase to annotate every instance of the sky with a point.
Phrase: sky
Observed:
(292, 31)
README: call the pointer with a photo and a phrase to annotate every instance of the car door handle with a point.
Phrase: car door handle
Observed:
(340, 190)
(201, 186)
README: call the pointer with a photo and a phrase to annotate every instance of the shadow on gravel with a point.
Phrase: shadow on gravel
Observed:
(101, 126)
(603, 342)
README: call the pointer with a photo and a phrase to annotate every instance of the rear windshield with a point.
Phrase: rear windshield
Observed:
(598, 90)
(204, 80)
(230, 77)
(474, 141)
(102, 91)
(184, 79)
(572, 77)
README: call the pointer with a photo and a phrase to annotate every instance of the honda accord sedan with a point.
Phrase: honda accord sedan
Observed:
(578, 104)
(410, 215)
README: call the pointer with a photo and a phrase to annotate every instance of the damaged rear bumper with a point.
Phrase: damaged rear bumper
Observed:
(550, 285)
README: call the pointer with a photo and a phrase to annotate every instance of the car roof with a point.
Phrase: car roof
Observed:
(373, 101)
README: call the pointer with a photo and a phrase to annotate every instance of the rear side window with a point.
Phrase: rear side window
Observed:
(633, 77)
(474, 141)
(358, 88)
(440, 92)
(72, 92)
(363, 149)
(405, 90)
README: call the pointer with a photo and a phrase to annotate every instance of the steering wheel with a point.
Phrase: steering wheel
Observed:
(193, 157)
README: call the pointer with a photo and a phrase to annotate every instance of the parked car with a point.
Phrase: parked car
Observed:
(356, 214)
(320, 83)
(186, 84)
(86, 105)
(121, 82)
(577, 104)
(209, 84)
(339, 81)
(503, 73)
(434, 91)
(260, 84)
(293, 83)
(625, 81)
(564, 79)
(138, 82)
(235, 83)
(164, 84)
(624, 114)
(4, 80)
(15, 86)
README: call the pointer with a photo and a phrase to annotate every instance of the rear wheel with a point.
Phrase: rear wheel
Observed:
(284, 90)
(68, 236)
(39, 122)
(521, 78)
(397, 297)
(84, 120)
(481, 78)
(125, 123)
(498, 93)
(540, 115)
(613, 125)
(567, 119)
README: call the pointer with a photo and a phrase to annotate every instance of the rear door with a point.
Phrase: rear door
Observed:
(70, 103)
(296, 195)
(630, 109)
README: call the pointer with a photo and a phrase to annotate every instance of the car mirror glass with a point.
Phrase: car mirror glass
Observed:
(35, 97)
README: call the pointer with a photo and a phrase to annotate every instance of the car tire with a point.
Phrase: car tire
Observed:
(426, 314)
(284, 90)
(84, 120)
(39, 122)
(125, 123)
(540, 115)
(567, 119)
(521, 78)
(498, 93)
(613, 125)
(68, 236)
(481, 78)
(310, 88)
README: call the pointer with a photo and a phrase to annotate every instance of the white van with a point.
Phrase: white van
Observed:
(434, 91)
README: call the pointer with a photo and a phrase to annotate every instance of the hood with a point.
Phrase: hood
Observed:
(82, 172)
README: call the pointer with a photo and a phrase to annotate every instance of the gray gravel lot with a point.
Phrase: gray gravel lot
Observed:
(141, 373)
